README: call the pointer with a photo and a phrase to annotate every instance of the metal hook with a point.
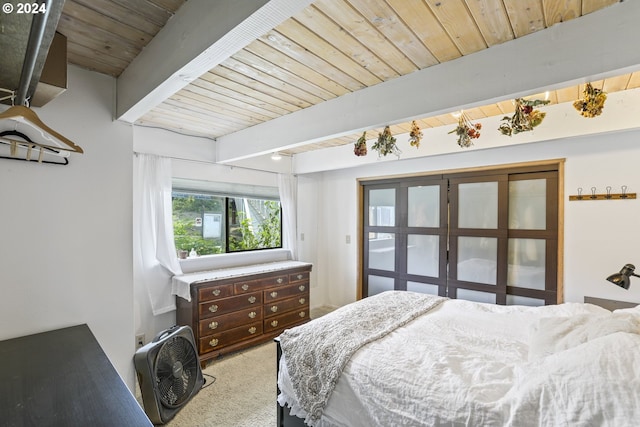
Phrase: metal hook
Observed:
(608, 196)
(593, 192)
(624, 192)
(579, 193)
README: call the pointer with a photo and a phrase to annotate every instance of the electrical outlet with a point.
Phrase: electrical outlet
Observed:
(139, 340)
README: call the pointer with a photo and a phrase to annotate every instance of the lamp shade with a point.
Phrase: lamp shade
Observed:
(623, 278)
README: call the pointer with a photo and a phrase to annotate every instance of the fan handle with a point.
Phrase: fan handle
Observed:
(165, 333)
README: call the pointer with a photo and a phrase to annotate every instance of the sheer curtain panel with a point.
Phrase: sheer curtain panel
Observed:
(155, 260)
(287, 187)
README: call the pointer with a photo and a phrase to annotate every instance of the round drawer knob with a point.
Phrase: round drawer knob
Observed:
(302, 301)
(302, 288)
(213, 342)
(252, 299)
(252, 330)
(213, 308)
(302, 314)
(274, 308)
(274, 294)
(216, 292)
(245, 287)
(252, 315)
(279, 280)
(274, 323)
(213, 325)
(300, 276)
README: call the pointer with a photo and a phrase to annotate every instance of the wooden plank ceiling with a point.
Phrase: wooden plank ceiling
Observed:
(330, 49)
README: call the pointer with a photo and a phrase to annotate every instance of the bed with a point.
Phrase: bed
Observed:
(406, 359)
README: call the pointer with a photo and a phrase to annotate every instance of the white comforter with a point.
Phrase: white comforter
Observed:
(470, 364)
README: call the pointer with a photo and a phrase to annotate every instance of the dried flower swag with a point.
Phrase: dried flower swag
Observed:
(466, 131)
(592, 103)
(386, 143)
(360, 147)
(415, 135)
(525, 117)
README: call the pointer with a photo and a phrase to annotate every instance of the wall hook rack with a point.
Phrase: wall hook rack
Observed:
(603, 196)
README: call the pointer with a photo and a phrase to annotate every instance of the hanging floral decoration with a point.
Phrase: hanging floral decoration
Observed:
(525, 117)
(466, 131)
(415, 135)
(386, 143)
(592, 103)
(360, 146)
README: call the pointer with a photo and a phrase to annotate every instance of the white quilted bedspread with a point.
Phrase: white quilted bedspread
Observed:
(469, 364)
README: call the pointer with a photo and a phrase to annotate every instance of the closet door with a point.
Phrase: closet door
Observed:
(532, 246)
(405, 236)
(380, 238)
(425, 244)
(503, 238)
(487, 236)
(478, 238)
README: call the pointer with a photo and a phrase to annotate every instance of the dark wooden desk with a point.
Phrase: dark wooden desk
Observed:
(63, 378)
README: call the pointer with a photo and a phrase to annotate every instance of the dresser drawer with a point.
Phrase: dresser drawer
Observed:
(276, 280)
(246, 286)
(208, 293)
(226, 305)
(279, 322)
(282, 306)
(232, 336)
(215, 324)
(301, 288)
(297, 277)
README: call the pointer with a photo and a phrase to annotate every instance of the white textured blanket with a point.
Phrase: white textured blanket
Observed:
(470, 364)
(316, 352)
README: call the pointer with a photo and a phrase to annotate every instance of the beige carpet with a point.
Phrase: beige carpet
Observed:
(242, 395)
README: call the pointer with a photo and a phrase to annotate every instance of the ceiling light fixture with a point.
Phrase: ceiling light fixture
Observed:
(276, 156)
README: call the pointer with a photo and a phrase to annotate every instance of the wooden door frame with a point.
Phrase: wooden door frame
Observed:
(557, 163)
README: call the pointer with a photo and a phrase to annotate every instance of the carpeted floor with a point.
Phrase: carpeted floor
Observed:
(243, 393)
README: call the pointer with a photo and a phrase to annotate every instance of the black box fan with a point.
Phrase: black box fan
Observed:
(168, 372)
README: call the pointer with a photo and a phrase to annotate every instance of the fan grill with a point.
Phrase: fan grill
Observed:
(176, 371)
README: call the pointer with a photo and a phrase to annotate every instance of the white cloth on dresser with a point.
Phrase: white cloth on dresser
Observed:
(181, 284)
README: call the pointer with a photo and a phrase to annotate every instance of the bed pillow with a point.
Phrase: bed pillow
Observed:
(633, 310)
(550, 335)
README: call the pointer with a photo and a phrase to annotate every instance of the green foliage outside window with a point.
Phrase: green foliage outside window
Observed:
(267, 235)
(261, 233)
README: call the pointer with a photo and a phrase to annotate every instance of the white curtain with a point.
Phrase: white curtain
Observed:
(155, 259)
(287, 187)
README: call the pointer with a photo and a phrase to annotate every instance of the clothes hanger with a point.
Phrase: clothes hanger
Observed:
(18, 112)
(29, 145)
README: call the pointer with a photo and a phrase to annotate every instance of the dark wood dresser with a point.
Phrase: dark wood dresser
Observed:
(236, 308)
(63, 378)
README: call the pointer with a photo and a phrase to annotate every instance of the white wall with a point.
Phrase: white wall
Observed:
(66, 255)
(599, 236)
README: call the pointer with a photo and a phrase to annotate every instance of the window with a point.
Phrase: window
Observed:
(214, 218)
(489, 236)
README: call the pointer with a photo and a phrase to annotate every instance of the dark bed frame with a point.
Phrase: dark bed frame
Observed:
(284, 418)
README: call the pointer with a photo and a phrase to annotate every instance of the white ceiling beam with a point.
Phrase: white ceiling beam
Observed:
(588, 48)
(201, 35)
